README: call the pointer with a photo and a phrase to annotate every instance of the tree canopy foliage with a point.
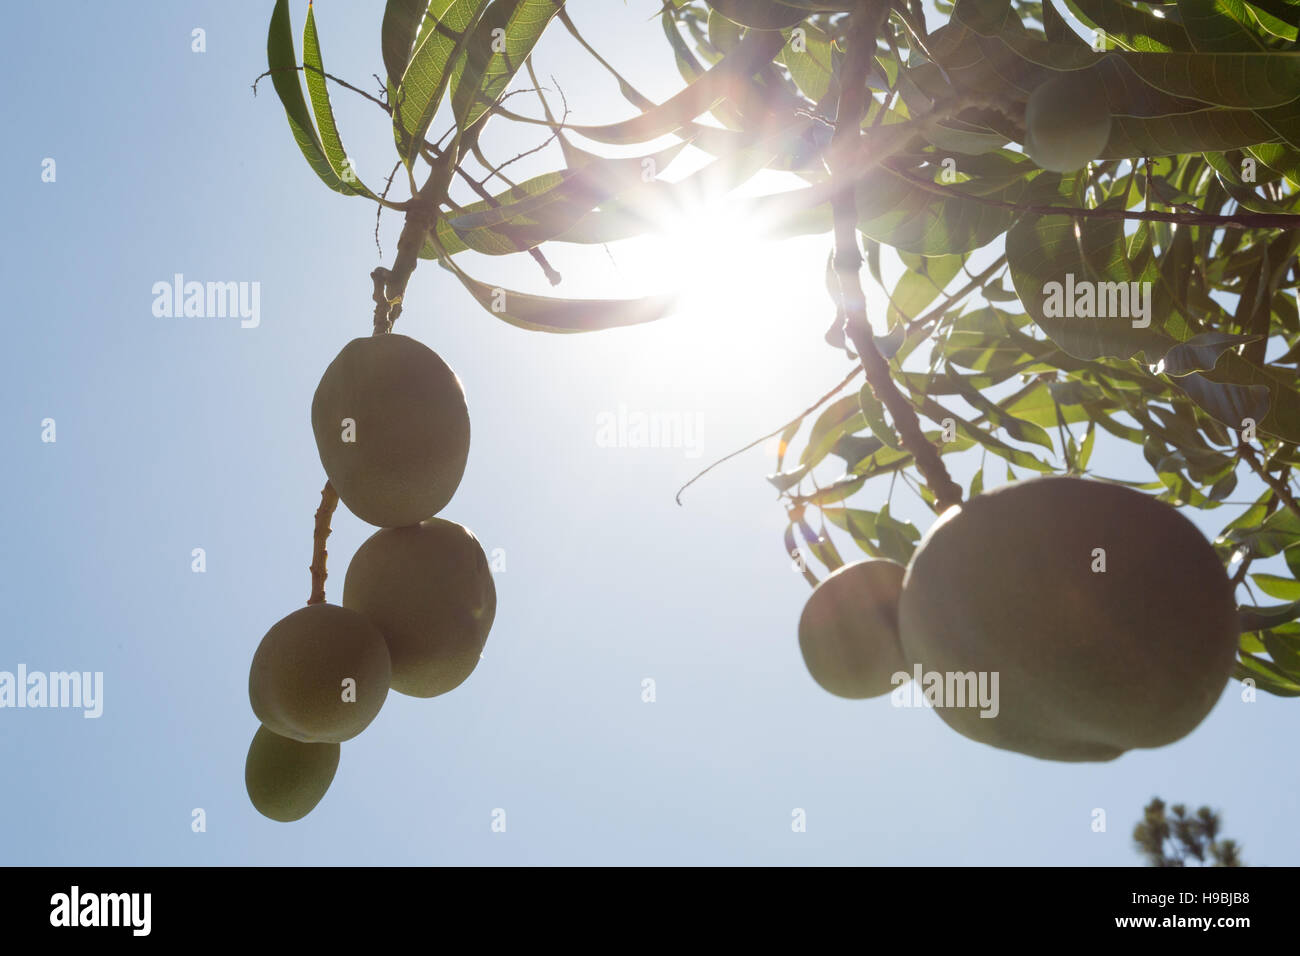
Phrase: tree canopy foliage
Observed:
(1176, 839)
(1148, 297)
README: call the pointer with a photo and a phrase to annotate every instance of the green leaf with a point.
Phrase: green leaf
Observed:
(897, 538)
(1000, 448)
(1271, 24)
(437, 59)
(332, 145)
(1284, 651)
(1200, 353)
(785, 480)
(1262, 618)
(893, 210)
(1230, 404)
(1131, 28)
(724, 34)
(759, 14)
(754, 51)
(545, 314)
(837, 490)
(1085, 451)
(401, 19)
(854, 448)
(546, 207)
(1062, 267)
(918, 287)
(841, 417)
(1266, 675)
(792, 551)
(783, 444)
(283, 64)
(873, 410)
(998, 417)
(821, 546)
(812, 67)
(497, 49)
(1279, 532)
(1219, 25)
(858, 523)
(1284, 589)
(1240, 394)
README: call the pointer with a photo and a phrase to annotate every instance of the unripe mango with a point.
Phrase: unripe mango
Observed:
(848, 632)
(1105, 613)
(286, 778)
(429, 591)
(1067, 123)
(392, 429)
(320, 675)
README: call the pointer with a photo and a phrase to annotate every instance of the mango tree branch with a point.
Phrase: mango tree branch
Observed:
(420, 219)
(329, 500)
(846, 147)
(431, 153)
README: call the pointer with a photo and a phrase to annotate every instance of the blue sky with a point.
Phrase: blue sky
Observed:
(176, 433)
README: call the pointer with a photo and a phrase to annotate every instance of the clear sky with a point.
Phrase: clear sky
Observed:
(183, 433)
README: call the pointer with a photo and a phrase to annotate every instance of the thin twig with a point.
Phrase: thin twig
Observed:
(552, 275)
(329, 76)
(329, 500)
(772, 434)
(379, 209)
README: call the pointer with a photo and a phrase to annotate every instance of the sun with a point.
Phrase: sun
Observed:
(715, 255)
(733, 277)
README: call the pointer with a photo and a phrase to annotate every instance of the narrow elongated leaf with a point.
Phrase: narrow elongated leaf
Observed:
(501, 42)
(841, 417)
(401, 19)
(759, 14)
(800, 562)
(785, 480)
(1075, 279)
(754, 51)
(1130, 28)
(1284, 649)
(837, 490)
(1219, 25)
(1266, 675)
(283, 64)
(821, 546)
(548, 206)
(1262, 618)
(811, 67)
(1200, 353)
(1284, 589)
(437, 58)
(1244, 390)
(873, 409)
(893, 210)
(920, 285)
(545, 314)
(1085, 450)
(860, 524)
(332, 145)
